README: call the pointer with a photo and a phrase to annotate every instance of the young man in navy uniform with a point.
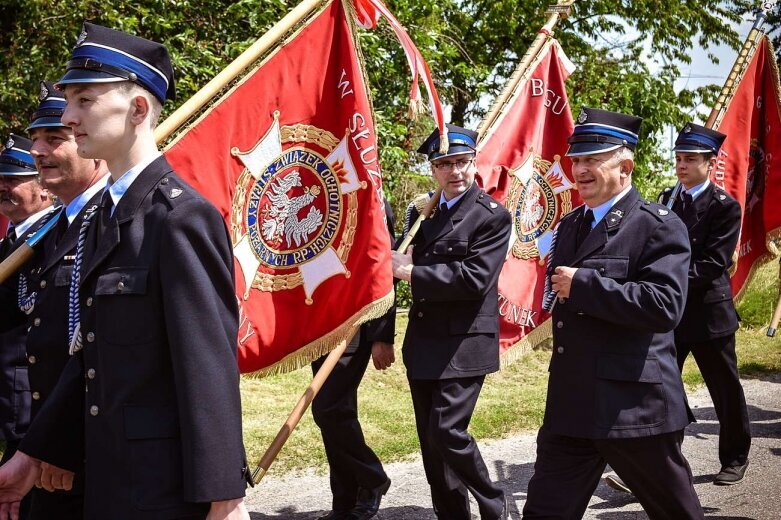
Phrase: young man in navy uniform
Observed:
(452, 338)
(358, 480)
(614, 391)
(709, 322)
(150, 401)
(77, 182)
(28, 206)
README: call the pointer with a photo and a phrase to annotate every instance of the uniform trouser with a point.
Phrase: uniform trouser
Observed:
(568, 469)
(451, 458)
(335, 409)
(718, 365)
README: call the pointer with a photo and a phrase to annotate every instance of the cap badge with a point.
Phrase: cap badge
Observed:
(82, 37)
(44, 92)
(582, 117)
(662, 212)
(176, 192)
(10, 143)
(687, 129)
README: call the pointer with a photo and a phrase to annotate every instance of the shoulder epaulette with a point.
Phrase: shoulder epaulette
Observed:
(660, 211)
(488, 202)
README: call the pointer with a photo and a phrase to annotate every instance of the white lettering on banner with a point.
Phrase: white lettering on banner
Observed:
(245, 326)
(516, 314)
(745, 249)
(554, 101)
(720, 171)
(344, 84)
(358, 133)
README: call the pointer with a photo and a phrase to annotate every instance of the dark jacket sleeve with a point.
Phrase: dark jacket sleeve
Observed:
(201, 318)
(715, 257)
(56, 435)
(656, 299)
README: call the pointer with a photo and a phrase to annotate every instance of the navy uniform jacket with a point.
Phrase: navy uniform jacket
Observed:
(15, 400)
(155, 390)
(713, 235)
(613, 371)
(453, 328)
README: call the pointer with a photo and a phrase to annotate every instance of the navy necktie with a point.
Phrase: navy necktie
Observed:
(585, 228)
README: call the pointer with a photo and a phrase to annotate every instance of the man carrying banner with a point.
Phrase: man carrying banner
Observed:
(28, 206)
(452, 339)
(615, 395)
(150, 400)
(42, 301)
(358, 480)
(709, 322)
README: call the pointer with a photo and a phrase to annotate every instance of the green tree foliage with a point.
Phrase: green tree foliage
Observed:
(472, 46)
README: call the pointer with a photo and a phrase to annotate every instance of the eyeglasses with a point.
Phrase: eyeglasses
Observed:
(460, 164)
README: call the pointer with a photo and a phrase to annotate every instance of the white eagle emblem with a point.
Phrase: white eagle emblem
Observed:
(10, 143)
(281, 215)
(44, 92)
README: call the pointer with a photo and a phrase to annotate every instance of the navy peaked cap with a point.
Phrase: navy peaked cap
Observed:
(598, 131)
(460, 141)
(698, 139)
(103, 55)
(51, 105)
(16, 158)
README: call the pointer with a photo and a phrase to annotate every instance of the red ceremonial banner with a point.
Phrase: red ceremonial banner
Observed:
(3, 226)
(749, 161)
(521, 164)
(289, 156)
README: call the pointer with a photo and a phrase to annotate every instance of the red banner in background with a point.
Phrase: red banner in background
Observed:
(289, 156)
(749, 161)
(521, 164)
(3, 226)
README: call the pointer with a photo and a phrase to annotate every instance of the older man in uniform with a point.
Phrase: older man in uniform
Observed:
(614, 392)
(707, 329)
(78, 183)
(153, 319)
(28, 206)
(452, 338)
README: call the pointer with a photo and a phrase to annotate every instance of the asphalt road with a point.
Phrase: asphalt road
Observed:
(307, 496)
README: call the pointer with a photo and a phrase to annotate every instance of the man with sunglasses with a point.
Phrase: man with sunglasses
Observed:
(452, 338)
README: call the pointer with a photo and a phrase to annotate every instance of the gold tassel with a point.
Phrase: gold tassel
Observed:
(444, 146)
(415, 108)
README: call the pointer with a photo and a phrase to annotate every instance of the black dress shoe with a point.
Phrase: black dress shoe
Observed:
(730, 475)
(368, 502)
(335, 515)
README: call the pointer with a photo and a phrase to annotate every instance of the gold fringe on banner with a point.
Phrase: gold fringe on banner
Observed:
(325, 344)
(542, 332)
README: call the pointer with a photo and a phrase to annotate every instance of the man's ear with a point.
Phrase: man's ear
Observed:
(627, 166)
(140, 110)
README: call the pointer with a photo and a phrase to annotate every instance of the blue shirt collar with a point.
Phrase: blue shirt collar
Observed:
(697, 190)
(601, 210)
(22, 227)
(118, 188)
(76, 205)
(452, 202)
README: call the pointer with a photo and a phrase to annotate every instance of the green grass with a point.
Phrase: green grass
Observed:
(512, 401)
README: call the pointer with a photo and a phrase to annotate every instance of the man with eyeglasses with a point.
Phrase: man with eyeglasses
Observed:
(452, 338)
